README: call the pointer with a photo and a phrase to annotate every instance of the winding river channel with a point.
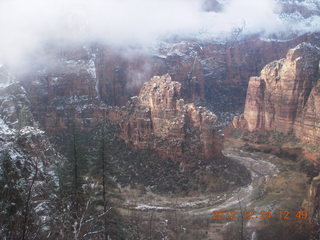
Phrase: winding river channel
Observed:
(263, 169)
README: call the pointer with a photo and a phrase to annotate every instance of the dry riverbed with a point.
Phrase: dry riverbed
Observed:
(277, 184)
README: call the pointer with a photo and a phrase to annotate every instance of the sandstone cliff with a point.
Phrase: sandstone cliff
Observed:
(215, 73)
(307, 126)
(284, 97)
(65, 90)
(159, 119)
(77, 81)
(312, 203)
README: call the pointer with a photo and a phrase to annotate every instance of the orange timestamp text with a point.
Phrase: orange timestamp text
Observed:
(281, 214)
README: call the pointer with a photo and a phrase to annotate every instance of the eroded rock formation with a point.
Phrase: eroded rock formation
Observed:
(312, 202)
(285, 96)
(307, 126)
(158, 118)
(78, 80)
(216, 73)
(65, 90)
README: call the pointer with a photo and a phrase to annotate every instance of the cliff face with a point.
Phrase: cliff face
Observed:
(159, 119)
(78, 81)
(312, 203)
(80, 85)
(307, 126)
(216, 73)
(284, 96)
(27, 163)
(64, 90)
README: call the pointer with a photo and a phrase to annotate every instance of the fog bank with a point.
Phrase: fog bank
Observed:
(27, 25)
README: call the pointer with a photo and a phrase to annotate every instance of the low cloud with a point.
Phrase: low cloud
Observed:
(28, 25)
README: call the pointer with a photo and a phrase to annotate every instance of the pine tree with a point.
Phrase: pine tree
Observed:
(103, 138)
(11, 199)
(71, 200)
(83, 207)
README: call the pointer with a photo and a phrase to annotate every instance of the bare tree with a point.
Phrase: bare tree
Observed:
(27, 204)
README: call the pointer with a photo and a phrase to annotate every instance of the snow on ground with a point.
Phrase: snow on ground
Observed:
(91, 68)
(31, 131)
(4, 128)
(150, 207)
(194, 203)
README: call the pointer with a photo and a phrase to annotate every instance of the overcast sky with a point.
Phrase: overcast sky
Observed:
(26, 25)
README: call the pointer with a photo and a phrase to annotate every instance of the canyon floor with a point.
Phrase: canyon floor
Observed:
(276, 184)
